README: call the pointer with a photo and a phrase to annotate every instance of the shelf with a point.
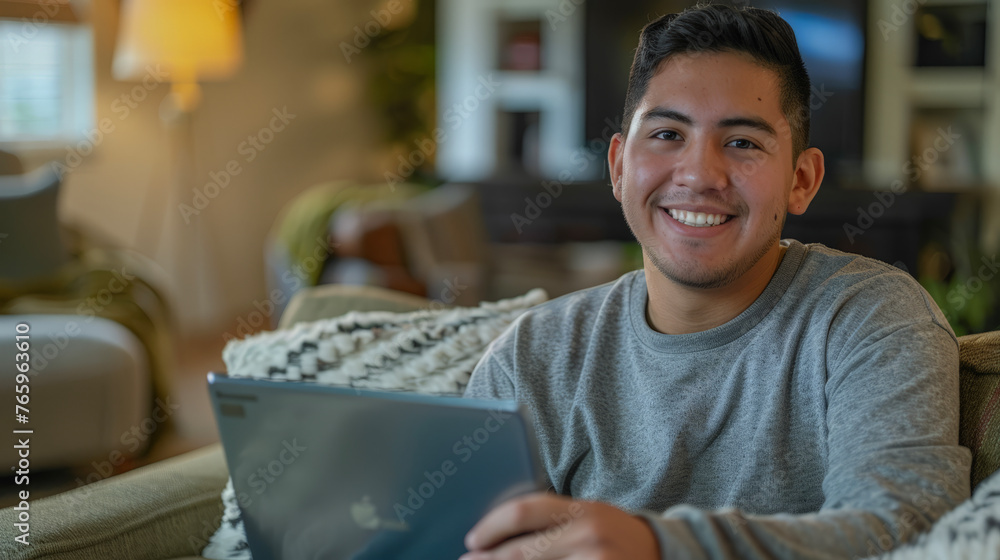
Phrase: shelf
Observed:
(935, 3)
(957, 186)
(948, 87)
(539, 79)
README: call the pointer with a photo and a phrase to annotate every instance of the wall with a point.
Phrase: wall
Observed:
(213, 265)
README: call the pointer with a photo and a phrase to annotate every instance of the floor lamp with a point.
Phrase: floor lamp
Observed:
(187, 41)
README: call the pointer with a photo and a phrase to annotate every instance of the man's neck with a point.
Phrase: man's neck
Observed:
(676, 309)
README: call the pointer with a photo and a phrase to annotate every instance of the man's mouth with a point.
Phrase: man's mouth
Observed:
(697, 219)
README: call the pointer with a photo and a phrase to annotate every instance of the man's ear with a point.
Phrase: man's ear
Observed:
(616, 152)
(809, 171)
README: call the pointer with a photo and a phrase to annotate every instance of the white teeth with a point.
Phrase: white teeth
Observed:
(698, 219)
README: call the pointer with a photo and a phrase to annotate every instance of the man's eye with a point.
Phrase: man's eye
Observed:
(743, 144)
(667, 135)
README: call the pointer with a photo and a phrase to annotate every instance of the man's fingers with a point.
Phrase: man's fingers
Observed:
(514, 517)
(535, 546)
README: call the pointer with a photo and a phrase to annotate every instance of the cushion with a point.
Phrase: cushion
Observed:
(426, 351)
(979, 427)
(972, 530)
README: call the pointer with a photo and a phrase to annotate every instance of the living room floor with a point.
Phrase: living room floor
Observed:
(191, 427)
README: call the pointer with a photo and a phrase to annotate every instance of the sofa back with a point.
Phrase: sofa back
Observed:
(333, 300)
(979, 425)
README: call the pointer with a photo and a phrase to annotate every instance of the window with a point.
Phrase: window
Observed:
(46, 82)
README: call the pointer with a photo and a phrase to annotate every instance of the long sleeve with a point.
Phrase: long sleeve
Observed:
(489, 380)
(895, 465)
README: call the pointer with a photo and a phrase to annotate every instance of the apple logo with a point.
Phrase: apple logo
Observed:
(365, 514)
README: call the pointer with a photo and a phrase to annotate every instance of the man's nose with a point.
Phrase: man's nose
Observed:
(701, 167)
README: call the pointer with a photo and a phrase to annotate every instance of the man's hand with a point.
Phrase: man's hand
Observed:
(544, 526)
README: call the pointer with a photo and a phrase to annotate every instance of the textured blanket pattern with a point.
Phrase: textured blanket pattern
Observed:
(429, 351)
(969, 532)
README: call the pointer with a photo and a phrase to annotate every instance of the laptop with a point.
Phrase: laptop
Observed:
(336, 472)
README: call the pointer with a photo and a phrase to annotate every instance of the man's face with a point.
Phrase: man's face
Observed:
(707, 145)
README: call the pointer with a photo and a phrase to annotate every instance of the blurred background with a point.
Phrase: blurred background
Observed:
(172, 172)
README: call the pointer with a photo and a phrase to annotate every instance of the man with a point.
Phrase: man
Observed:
(740, 396)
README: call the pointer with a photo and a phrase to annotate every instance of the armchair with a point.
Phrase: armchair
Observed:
(99, 339)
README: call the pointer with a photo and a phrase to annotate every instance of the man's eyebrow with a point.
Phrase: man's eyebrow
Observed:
(663, 113)
(757, 123)
(749, 122)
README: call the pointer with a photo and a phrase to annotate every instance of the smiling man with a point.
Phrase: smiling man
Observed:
(741, 396)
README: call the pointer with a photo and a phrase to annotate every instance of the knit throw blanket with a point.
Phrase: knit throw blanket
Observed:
(428, 351)
(971, 531)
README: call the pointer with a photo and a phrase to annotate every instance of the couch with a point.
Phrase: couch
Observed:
(98, 331)
(170, 509)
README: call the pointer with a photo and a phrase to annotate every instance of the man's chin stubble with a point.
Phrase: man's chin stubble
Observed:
(719, 280)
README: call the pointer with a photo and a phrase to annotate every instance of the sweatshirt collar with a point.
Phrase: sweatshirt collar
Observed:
(725, 333)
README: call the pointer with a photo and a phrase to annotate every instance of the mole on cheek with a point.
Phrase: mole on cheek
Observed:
(776, 217)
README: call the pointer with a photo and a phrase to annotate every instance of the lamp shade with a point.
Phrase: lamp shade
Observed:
(190, 40)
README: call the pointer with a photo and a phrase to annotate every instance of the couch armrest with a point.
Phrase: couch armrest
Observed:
(168, 509)
(979, 424)
(333, 300)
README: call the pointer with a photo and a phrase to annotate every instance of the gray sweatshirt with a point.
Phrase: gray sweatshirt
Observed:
(822, 422)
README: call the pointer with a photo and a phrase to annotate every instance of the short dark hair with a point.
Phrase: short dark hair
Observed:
(760, 33)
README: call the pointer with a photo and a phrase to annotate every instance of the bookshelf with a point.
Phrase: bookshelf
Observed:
(933, 101)
(531, 121)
